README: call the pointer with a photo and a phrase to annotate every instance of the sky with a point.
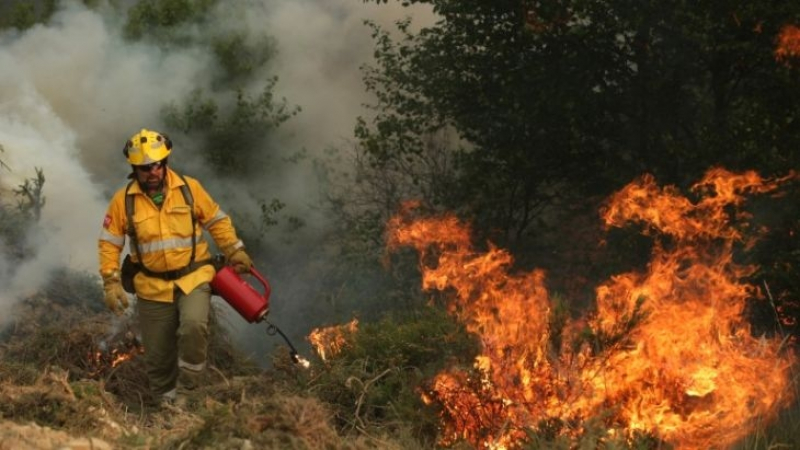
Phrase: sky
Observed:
(72, 91)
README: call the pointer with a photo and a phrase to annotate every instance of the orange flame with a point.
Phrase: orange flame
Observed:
(101, 362)
(677, 359)
(329, 341)
(788, 46)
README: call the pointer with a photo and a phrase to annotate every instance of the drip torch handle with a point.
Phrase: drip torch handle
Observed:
(262, 280)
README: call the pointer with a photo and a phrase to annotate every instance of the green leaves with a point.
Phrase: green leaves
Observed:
(239, 58)
(22, 14)
(158, 19)
(556, 105)
(234, 136)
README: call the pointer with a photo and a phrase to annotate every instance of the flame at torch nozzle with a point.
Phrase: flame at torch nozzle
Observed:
(300, 361)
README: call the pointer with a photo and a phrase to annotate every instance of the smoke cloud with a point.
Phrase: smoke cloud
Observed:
(72, 91)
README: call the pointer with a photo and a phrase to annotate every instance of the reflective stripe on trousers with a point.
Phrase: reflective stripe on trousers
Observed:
(173, 332)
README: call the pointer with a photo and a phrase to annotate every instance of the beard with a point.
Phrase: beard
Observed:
(151, 182)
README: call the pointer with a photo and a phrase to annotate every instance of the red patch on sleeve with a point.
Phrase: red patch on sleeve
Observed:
(107, 221)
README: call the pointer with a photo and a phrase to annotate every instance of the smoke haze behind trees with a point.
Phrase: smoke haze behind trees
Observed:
(72, 91)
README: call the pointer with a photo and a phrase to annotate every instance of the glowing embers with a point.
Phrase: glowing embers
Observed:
(667, 351)
(788, 44)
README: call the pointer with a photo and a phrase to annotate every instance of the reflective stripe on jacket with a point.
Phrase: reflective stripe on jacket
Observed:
(165, 236)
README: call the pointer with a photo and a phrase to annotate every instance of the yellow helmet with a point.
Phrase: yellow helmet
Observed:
(147, 147)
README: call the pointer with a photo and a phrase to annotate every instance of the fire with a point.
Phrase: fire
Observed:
(329, 341)
(667, 351)
(103, 360)
(788, 45)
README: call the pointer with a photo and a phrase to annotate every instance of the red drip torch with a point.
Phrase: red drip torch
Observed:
(252, 305)
(243, 297)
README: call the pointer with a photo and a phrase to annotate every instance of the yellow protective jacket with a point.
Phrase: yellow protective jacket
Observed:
(165, 236)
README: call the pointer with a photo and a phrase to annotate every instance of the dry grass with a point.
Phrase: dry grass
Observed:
(58, 373)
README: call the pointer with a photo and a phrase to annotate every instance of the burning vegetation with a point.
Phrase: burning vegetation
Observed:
(667, 352)
(666, 359)
(328, 341)
(106, 357)
(788, 44)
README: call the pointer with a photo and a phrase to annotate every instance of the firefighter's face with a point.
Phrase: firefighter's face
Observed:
(151, 175)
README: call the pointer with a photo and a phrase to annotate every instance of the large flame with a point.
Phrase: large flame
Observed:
(667, 352)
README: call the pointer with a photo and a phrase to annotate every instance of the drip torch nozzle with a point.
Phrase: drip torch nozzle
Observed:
(296, 358)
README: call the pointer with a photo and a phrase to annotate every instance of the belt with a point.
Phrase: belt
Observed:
(172, 275)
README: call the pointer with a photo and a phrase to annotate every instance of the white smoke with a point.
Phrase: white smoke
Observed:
(34, 137)
(68, 90)
(72, 91)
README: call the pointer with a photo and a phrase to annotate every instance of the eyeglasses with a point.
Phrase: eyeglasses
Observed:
(150, 167)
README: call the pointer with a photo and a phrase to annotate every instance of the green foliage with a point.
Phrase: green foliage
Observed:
(374, 382)
(239, 58)
(232, 120)
(550, 96)
(15, 223)
(68, 287)
(169, 22)
(235, 139)
(197, 112)
(577, 84)
(158, 19)
(556, 105)
(31, 199)
(233, 125)
(23, 14)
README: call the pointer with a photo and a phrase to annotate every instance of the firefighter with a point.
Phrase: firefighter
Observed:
(169, 268)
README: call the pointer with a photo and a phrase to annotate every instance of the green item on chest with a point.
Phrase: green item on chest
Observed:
(157, 197)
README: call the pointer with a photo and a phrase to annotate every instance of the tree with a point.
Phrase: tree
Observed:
(232, 120)
(16, 223)
(557, 104)
(159, 19)
(235, 138)
(222, 116)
